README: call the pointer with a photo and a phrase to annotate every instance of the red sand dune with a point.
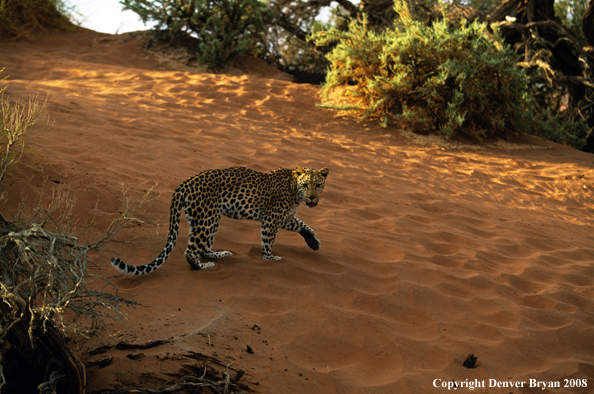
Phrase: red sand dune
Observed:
(430, 250)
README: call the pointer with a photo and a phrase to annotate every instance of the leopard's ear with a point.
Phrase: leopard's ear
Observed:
(324, 172)
(299, 171)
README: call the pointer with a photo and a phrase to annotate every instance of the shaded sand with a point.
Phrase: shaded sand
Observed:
(429, 251)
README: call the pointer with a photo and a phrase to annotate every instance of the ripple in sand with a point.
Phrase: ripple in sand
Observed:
(545, 318)
(369, 285)
(261, 306)
(443, 248)
(365, 214)
(417, 219)
(526, 285)
(458, 261)
(498, 318)
(577, 338)
(511, 249)
(456, 291)
(482, 283)
(538, 301)
(553, 262)
(586, 369)
(488, 334)
(501, 264)
(373, 250)
(572, 298)
(323, 352)
(543, 244)
(574, 254)
(576, 280)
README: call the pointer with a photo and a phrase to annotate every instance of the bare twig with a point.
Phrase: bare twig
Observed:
(49, 387)
(2, 377)
(132, 215)
(147, 345)
(15, 121)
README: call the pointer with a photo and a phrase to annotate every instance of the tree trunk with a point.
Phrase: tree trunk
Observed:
(525, 10)
(538, 17)
(49, 367)
(560, 72)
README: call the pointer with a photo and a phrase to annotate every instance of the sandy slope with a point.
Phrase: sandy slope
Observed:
(430, 252)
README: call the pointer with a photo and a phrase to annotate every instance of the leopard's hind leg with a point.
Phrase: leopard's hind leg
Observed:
(202, 233)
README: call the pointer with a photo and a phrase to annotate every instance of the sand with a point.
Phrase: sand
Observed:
(431, 250)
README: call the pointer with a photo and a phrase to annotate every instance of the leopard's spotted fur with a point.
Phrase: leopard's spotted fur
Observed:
(239, 193)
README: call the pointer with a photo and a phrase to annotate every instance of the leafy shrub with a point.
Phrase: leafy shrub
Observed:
(225, 28)
(571, 14)
(431, 78)
(564, 130)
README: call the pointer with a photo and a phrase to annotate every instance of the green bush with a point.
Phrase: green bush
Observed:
(564, 130)
(431, 78)
(224, 28)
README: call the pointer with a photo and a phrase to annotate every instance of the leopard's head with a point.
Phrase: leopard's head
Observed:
(310, 183)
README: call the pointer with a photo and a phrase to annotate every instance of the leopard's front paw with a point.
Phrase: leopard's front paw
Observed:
(311, 239)
(271, 257)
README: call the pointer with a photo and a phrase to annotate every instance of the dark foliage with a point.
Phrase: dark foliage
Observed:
(225, 28)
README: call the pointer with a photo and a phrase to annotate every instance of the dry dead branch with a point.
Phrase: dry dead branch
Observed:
(189, 383)
(44, 273)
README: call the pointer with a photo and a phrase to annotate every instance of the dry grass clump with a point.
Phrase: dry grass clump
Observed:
(21, 17)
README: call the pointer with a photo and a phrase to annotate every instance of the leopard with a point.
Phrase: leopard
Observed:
(271, 198)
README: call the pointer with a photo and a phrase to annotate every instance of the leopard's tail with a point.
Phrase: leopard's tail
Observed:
(175, 212)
